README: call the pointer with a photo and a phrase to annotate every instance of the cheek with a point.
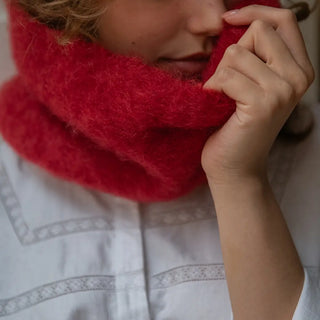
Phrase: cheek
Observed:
(140, 27)
(136, 34)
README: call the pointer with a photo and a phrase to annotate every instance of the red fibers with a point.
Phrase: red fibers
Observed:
(107, 121)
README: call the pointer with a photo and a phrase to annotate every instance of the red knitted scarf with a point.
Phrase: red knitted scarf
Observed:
(107, 121)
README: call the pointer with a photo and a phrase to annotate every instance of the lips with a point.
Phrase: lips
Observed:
(187, 67)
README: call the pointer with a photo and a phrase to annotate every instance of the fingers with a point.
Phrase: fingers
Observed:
(267, 44)
(244, 77)
(227, 80)
(247, 63)
(284, 23)
(262, 73)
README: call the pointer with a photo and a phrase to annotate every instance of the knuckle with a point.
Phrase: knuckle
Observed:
(233, 51)
(302, 82)
(279, 96)
(310, 73)
(288, 15)
(225, 73)
(272, 100)
(287, 92)
(260, 25)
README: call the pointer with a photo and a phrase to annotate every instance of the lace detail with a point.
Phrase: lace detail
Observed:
(196, 206)
(133, 281)
(28, 236)
(183, 274)
(181, 216)
(171, 213)
(13, 209)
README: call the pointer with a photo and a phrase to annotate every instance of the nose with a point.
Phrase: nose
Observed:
(204, 17)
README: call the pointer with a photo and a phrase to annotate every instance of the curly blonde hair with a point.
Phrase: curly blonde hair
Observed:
(74, 18)
(80, 18)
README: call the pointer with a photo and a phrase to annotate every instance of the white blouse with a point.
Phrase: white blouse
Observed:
(69, 253)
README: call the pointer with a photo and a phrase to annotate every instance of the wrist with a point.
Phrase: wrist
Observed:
(237, 178)
(244, 183)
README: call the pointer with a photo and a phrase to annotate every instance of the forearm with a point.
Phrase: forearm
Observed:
(263, 270)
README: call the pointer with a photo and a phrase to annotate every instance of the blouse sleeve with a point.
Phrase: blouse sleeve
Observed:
(308, 307)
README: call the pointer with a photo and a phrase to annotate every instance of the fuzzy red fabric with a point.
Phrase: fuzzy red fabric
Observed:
(107, 121)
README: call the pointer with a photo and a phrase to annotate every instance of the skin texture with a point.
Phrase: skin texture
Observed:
(162, 29)
(167, 28)
(266, 93)
(263, 270)
(266, 73)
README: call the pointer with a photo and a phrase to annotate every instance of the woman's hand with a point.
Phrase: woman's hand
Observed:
(266, 73)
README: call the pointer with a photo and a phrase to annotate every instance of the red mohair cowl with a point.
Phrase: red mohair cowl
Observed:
(106, 121)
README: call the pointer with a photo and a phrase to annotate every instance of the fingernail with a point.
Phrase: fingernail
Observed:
(230, 13)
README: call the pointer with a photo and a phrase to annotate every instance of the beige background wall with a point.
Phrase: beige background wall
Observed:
(310, 28)
(311, 33)
(6, 66)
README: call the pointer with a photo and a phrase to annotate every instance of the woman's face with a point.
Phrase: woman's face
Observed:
(175, 35)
